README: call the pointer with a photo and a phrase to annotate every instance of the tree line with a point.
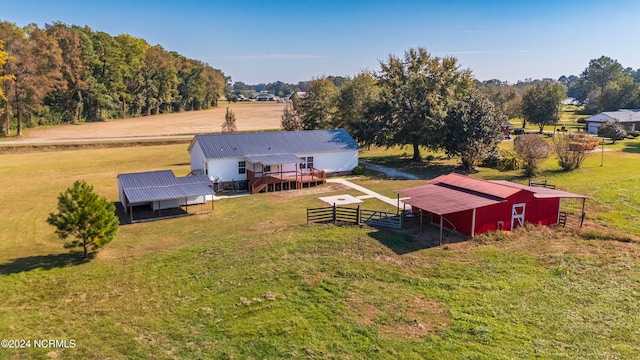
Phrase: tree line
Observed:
(421, 100)
(69, 74)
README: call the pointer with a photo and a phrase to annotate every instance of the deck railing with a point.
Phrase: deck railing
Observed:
(259, 181)
(295, 175)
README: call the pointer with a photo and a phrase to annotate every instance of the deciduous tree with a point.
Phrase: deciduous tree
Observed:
(86, 217)
(532, 149)
(318, 108)
(472, 129)
(541, 104)
(416, 93)
(612, 130)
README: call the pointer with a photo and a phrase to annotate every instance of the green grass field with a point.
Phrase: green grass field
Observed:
(252, 280)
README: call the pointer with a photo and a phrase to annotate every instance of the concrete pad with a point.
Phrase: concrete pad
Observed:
(341, 199)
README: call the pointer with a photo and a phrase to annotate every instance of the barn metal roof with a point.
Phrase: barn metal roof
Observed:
(273, 159)
(451, 193)
(238, 145)
(469, 184)
(542, 192)
(145, 187)
(442, 200)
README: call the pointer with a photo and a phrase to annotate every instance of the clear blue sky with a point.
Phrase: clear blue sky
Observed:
(293, 41)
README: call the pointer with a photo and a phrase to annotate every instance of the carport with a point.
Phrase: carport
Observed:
(162, 190)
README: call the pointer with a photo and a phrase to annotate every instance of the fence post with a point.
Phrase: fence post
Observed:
(334, 213)
(358, 216)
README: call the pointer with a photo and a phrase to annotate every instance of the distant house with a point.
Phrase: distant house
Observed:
(272, 161)
(571, 101)
(162, 190)
(629, 118)
(474, 206)
(264, 96)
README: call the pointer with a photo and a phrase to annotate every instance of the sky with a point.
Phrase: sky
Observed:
(292, 41)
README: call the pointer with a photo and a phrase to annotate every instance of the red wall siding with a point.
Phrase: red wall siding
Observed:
(537, 211)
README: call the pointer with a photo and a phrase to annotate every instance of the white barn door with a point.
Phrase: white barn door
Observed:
(517, 215)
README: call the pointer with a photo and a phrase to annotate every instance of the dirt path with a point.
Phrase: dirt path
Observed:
(252, 116)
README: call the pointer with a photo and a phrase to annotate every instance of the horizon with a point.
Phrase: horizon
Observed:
(304, 40)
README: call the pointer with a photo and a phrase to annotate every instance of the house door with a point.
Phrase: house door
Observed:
(517, 215)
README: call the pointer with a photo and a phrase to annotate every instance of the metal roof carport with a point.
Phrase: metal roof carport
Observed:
(148, 187)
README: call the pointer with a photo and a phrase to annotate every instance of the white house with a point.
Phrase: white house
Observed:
(271, 161)
(629, 118)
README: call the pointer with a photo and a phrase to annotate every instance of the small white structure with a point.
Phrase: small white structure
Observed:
(278, 160)
(162, 190)
(629, 118)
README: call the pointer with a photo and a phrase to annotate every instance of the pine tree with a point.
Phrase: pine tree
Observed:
(86, 216)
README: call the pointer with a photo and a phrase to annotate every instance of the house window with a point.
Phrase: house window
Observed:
(267, 168)
(307, 162)
(242, 167)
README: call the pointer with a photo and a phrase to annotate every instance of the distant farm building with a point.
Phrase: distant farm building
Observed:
(159, 190)
(473, 206)
(272, 161)
(629, 118)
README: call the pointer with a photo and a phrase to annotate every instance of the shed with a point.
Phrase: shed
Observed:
(162, 190)
(474, 206)
(281, 160)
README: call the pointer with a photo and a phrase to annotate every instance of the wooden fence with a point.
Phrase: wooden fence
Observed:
(337, 214)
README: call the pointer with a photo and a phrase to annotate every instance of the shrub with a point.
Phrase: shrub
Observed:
(518, 131)
(503, 160)
(633, 133)
(572, 149)
(532, 149)
(612, 130)
(359, 170)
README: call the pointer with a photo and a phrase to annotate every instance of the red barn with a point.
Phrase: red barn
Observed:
(473, 206)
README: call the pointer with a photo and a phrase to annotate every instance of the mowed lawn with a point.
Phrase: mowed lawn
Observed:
(251, 280)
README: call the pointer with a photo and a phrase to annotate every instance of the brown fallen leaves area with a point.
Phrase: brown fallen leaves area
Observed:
(249, 117)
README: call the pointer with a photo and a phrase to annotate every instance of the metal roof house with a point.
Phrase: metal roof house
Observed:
(272, 161)
(629, 118)
(162, 190)
(474, 206)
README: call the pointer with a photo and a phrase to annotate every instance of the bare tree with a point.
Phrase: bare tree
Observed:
(229, 124)
(290, 119)
(532, 149)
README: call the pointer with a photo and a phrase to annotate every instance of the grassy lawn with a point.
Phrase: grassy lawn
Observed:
(251, 280)
(613, 188)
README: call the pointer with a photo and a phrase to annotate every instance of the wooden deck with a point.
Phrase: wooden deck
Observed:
(281, 181)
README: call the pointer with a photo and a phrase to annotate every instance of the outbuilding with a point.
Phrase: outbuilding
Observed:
(271, 161)
(473, 206)
(162, 190)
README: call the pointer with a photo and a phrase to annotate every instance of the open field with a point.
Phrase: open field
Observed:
(250, 116)
(251, 280)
